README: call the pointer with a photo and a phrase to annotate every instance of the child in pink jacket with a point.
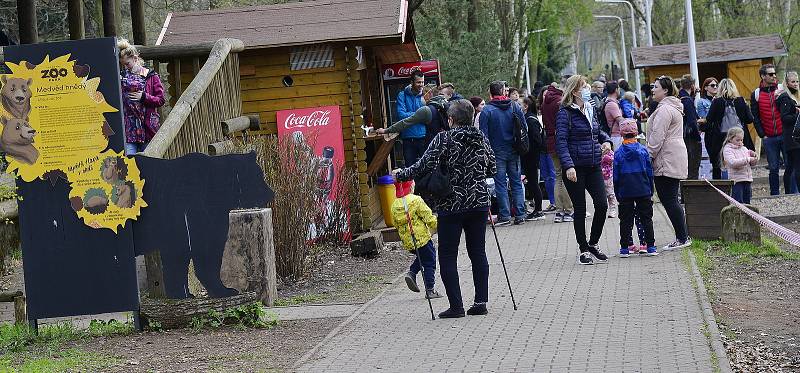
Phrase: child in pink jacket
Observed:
(739, 160)
(607, 165)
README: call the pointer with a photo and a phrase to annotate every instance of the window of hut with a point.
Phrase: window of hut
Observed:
(311, 57)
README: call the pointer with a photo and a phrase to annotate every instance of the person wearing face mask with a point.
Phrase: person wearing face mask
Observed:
(433, 114)
(142, 95)
(788, 103)
(580, 144)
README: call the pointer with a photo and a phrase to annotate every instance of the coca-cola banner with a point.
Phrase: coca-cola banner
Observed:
(320, 127)
(404, 70)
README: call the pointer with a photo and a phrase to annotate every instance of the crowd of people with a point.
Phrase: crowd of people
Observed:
(484, 157)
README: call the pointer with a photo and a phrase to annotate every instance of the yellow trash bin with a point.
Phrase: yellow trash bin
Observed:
(386, 192)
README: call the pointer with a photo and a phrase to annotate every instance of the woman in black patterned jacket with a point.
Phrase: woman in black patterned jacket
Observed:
(468, 160)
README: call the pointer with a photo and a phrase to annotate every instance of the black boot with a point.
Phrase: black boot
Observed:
(477, 309)
(452, 313)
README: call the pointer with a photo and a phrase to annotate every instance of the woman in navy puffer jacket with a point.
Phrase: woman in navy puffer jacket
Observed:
(579, 144)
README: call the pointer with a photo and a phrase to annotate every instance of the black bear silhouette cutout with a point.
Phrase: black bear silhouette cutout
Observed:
(188, 200)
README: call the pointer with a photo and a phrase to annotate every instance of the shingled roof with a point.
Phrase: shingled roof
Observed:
(298, 23)
(748, 48)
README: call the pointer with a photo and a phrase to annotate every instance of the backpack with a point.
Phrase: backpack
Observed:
(730, 119)
(536, 133)
(521, 142)
(601, 117)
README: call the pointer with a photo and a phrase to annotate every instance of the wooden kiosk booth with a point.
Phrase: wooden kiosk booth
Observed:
(310, 54)
(737, 59)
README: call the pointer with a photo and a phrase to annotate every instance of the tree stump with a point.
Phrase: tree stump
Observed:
(178, 313)
(20, 312)
(739, 227)
(248, 264)
(368, 244)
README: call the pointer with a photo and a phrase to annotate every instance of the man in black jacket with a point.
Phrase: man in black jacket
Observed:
(691, 133)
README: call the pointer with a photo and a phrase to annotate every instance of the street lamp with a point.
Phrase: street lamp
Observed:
(635, 42)
(692, 47)
(525, 57)
(622, 35)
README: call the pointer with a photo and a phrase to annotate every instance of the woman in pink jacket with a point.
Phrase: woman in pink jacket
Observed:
(739, 160)
(670, 160)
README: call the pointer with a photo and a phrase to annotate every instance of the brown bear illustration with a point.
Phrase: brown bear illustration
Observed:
(17, 140)
(113, 170)
(16, 96)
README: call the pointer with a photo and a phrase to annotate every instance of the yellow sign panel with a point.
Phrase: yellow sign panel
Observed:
(52, 120)
(107, 190)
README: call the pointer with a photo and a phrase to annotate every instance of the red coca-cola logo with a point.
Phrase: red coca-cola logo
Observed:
(408, 70)
(318, 118)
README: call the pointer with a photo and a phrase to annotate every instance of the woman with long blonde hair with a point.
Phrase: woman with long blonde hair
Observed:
(727, 110)
(579, 146)
(142, 95)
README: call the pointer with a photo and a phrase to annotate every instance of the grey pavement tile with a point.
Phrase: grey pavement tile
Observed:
(629, 315)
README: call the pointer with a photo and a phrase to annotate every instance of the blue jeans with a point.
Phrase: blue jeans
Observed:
(509, 169)
(774, 148)
(132, 148)
(427, 254)
(473, 223)
(548, 173)
(413, 149)
(742, 191)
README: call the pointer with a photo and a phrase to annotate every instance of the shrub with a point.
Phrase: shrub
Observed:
(304, 224)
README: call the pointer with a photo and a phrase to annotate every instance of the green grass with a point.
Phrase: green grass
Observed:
(47, 351)
(369, 284)
(301, 299)
(68, 360)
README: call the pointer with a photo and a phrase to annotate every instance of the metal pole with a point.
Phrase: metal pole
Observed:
(649, 20)
(527, 73)
(692, 47)
(525, 57)
(635, 42)
(622, 36)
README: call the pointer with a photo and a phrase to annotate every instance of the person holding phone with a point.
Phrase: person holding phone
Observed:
(142, 95)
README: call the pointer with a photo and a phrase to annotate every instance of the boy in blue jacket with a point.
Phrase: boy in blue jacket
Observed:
(633, 186)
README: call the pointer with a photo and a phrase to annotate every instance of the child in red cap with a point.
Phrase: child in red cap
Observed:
(414, 221)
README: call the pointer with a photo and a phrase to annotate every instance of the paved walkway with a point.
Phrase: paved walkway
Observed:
(631, 315)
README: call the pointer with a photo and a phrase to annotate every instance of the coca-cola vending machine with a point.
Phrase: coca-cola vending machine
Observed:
(323, 127)
(395, 79)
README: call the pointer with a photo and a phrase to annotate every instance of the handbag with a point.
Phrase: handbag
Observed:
(436, 183)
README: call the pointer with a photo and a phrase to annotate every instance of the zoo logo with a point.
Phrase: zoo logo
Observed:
(54, 73)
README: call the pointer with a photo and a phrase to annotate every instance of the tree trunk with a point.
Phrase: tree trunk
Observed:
(26, 15)
(472, 16)
(172, 313)
(75, 19)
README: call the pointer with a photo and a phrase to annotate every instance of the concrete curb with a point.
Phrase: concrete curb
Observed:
(708, 315)
(307, 356)
(717, 347)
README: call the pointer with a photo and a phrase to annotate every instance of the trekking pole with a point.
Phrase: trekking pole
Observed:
(501, 259)
(419, 258)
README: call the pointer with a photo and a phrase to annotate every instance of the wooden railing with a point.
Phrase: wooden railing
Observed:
(212, 97)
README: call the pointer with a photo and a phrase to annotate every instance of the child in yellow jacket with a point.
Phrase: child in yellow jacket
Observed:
(407, 207)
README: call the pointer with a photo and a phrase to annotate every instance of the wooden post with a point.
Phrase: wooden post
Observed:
(233, 125)
(155, 275)
(221, 148)
(20, 313)
(137, 22)
(248, 263)
(75, 19)
(109, 18)
(26, 16)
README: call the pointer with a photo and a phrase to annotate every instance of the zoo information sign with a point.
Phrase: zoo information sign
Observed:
(53, 121)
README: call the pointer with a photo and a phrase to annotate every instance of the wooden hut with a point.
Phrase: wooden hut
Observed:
(308, 54)
(737, 59)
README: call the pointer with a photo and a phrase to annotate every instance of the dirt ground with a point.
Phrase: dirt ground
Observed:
(339, 278)
(223, 350)
(757, 304)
